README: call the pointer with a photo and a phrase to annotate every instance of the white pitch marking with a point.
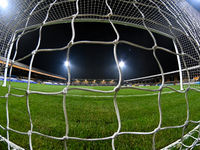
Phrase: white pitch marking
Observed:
(122, 95)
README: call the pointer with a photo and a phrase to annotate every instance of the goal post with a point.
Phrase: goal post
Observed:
(179, 66)
(8, 59)
(175, 19)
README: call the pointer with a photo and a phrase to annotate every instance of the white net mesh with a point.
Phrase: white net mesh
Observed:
(174, 19)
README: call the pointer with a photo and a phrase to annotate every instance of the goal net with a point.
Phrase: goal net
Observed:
(176, 20)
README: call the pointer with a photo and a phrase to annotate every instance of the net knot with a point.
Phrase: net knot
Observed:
(183, 53)
(117, 88)
(187, 89)
(12, 62)
(27, 92)
(34, 52)
(156, 130)
(115, 135)
(116, 41)
(65, 91)
(155, 47)
(74, 15)
(65, 137)
(186, 123)
(161, 88)
(70, 44)
(43, 23)
(6, 96)
(110, 14)
(29, 132)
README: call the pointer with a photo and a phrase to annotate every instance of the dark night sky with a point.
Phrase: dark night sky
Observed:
(94, 61)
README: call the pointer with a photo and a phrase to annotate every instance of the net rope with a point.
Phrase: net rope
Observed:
(169, 20)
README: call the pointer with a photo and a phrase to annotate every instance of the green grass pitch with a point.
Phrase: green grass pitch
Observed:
(92, 115)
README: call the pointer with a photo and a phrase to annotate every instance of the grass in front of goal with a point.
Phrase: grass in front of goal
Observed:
(92, 115)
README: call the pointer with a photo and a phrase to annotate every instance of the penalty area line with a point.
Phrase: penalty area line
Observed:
(138, 95)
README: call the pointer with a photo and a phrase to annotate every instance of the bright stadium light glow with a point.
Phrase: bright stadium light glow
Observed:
(121, 64)
(66, 63)
(3, 3)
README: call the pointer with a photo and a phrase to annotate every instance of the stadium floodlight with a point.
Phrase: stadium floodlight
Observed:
(3, 3)
(67, 63)
(121, 64)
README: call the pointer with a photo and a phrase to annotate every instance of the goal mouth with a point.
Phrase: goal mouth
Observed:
(83, 112)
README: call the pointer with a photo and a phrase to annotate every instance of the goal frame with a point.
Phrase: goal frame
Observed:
(102, 21)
